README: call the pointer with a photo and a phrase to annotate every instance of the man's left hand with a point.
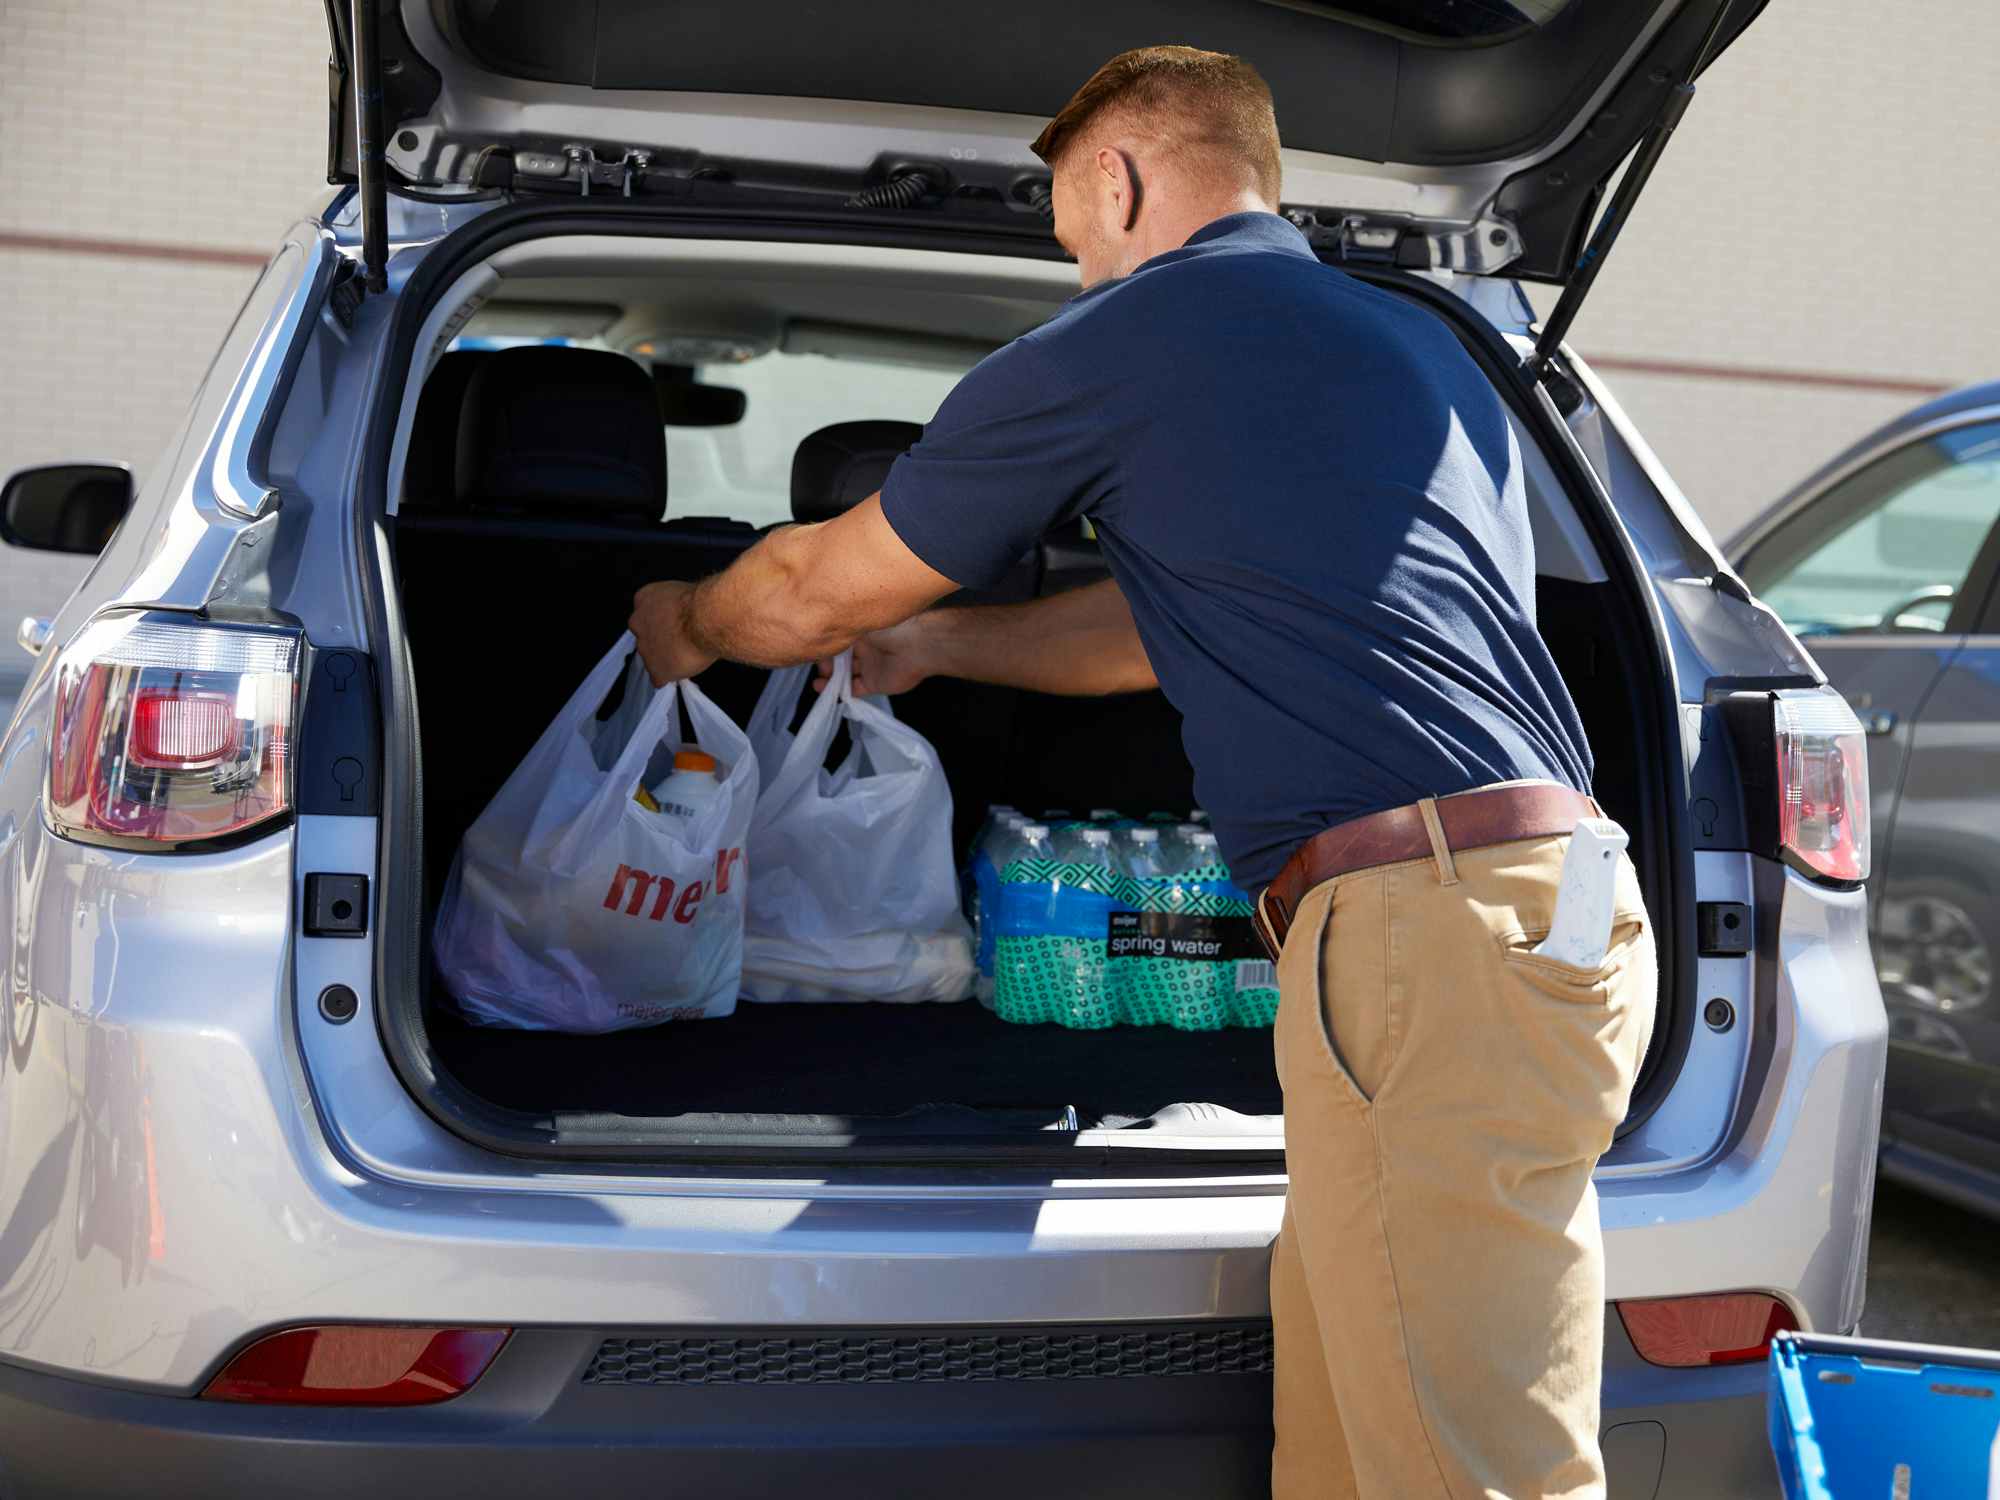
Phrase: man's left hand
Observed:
(661, 620)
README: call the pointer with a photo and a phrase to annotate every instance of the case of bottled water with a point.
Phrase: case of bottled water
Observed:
(1111, 920)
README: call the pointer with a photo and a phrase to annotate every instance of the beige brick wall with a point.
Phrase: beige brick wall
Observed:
(1826, 207)
(183, 123)
(200, 122)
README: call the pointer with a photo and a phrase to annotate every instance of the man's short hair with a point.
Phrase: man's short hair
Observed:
(1209, 106)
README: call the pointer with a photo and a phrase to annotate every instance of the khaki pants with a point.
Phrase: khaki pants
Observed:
(1438, 1287)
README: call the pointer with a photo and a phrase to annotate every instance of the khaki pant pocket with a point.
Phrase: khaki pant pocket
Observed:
(1568, 981)
(1335, 1022)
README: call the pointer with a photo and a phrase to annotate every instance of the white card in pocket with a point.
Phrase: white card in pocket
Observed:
(1581, 931)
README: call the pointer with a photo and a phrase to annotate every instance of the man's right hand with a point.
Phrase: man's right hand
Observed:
(1080, 642)
(887, 662)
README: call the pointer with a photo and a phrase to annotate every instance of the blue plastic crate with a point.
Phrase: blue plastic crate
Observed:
(1864, 1419)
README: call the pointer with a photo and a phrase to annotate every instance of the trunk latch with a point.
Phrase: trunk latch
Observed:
(336, 905)
(1722, 929)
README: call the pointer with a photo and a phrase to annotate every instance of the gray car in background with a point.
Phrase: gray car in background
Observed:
(273, 1213)
(1886, 563)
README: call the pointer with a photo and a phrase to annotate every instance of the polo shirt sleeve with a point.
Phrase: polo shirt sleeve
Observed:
(1009, 456)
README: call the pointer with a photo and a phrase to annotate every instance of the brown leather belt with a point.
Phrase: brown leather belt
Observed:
(1469, 820)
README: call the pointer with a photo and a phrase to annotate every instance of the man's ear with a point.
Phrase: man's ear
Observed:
(1119, 176)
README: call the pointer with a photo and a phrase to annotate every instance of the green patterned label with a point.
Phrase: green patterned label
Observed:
(1049, 944)
(1077, 947)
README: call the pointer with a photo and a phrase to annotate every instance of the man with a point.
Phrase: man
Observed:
(1311, 503)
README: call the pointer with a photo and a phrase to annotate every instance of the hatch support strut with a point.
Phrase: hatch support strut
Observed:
(1644, 159)
(369, 162)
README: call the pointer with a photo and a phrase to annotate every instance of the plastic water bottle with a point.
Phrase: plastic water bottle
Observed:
(1067, 840)
(1023, 923)
(1049, 944)
(1247, 980)
(982, 880)
(1135, 941)
(997, 815)
(687, 791)
(1087, 892)
(1183, 983)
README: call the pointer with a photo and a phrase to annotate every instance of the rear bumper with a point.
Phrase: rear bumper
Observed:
(535, 1426)
(1689, 1434)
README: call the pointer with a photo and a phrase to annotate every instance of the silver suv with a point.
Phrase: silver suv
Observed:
(608, 296)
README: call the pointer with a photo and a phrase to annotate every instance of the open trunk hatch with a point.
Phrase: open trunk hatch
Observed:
(1482, 122)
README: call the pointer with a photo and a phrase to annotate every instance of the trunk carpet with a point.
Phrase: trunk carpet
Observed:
(872, 1060)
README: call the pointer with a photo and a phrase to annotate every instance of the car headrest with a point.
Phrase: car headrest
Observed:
(569, 429)
(840, 466)
(431, 463)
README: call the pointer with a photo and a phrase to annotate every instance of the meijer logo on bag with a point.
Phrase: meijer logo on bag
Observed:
(631, 886)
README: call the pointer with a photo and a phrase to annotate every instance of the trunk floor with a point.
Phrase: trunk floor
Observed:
(875, 1060)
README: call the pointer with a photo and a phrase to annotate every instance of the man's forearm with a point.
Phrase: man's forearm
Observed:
(757, 610)
(804, 593)
(1081, 643)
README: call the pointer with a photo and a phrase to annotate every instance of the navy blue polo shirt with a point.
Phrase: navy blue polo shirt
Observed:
(1312, 498)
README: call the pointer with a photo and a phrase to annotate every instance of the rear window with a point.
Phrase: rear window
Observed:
(744, 470)
(737, 464)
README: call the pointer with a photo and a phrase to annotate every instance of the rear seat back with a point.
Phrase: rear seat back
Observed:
(573, 430)
(838, 467)
(430, 471)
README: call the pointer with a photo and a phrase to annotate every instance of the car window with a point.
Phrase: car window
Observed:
(744, 470)
(1890, 546)
(736, 462)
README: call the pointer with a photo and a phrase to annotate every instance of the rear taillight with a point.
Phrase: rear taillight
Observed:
(1822, 783)
(170, 731)
(357, 1365)
(1684, 1332)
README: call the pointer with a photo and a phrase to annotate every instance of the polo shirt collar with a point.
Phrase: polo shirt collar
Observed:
(1245, 231)
(1250, 231)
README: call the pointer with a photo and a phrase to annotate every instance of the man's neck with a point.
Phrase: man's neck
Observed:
(1170, 225)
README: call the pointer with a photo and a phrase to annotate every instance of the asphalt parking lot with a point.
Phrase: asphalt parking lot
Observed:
(1933, 1275)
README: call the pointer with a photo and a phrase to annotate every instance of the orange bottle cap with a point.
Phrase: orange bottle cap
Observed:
(693, 760)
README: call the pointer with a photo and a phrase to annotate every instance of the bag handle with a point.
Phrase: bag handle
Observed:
(590, 696)
(771, 715)
(615, 790)
(807, 751)
(872, 720)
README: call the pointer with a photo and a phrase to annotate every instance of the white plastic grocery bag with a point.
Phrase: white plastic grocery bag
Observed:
(571, 907)
(853, 891)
